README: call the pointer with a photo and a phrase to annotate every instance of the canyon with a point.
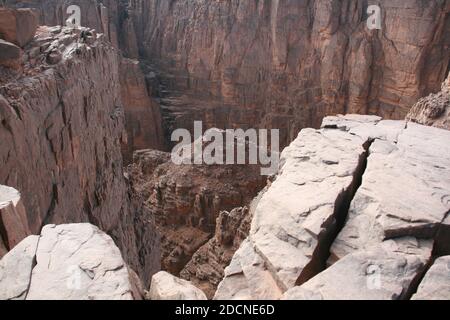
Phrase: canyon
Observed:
(86, 117)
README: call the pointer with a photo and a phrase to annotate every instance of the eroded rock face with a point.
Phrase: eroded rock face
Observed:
(168, 287)
(341, 191)
(433, 110)
(13, 219)
(206, 268)
(143, 117)
(287, 64)
(61, 128)
(66, 262)
(18, 26)
(436, 283)
(186, 200)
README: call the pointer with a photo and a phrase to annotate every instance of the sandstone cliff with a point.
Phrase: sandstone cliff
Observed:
(61, 128)
(359, 210)
(287, 64)
(144, 122)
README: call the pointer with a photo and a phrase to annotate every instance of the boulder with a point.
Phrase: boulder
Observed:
(167, 287)
(387, 271)
(436, 283)
(18, 26)
(67, 262)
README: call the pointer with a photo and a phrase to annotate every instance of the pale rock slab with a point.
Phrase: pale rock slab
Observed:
(168, 287)
(386, 271)
(436, 283)
(15, 269)
(403, 192)
(78, 262)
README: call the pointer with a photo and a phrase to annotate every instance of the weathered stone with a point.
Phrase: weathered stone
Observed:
(16, 268)
(433, 110)
(381, 209)
(387, 271)
(13, 219)
(10, 54)
(436, 283)
(18, 26)
(77, 262)
(61, 128)
(167, 287)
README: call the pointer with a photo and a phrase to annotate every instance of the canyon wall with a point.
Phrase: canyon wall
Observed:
(288, 63)
(61, 129)
(143, 118)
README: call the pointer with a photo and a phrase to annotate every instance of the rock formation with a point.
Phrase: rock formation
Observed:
(436, 283)
(61, 128)
(433, 110)
(13, 219)
(287, 64)
(337, 223)
(206, 268)
(167, 287)
(66, 262)
(186, 200)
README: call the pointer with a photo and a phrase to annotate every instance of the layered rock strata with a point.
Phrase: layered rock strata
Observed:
(433, 110)
(66, 262)
(61, 128)
(337, 223)
(186, 200)
(287, 64)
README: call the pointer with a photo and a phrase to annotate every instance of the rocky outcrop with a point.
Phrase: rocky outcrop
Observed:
(66, 262)
(337, 224)
(61, 128)
(13, 219)
(167, 287)
(143, 118)
(436, 283)
(433, 110)
(206, 268)
(287, 64)
(142, 114)
(18, 26)
(186, 200)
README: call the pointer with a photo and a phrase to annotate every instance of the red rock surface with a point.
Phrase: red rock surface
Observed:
(61, 128)
(186, 200)
(286, 64)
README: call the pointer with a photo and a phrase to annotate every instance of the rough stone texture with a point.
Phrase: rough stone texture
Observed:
(66, 262)
(167, 287)
(18, 26)
(187, 199)
(10, 55)
(383, 272)
(381, 209)
(329, 187)
(15, 269)
(206, 268)
(143, 117)
(13, 219)
(286, 64)
(61, 128)
(433, 110)
(436, 283)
